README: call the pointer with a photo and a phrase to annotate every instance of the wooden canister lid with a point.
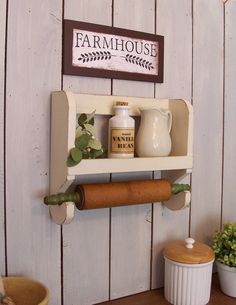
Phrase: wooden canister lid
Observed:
(189, 252)
(121, 103)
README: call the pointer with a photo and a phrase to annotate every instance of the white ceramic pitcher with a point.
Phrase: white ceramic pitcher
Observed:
(153, 137)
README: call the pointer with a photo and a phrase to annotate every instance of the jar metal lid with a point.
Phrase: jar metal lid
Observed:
(189, 252)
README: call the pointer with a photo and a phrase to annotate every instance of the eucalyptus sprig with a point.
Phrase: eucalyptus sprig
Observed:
(224, 245)
(87, 145)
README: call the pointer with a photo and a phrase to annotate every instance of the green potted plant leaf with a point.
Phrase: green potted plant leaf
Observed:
(224, 246)
(87, 145)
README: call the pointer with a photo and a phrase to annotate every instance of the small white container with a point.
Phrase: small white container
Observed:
(188, 272)
(121, 132)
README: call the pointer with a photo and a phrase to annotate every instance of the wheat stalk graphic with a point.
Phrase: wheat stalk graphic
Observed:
(93, 56)
(138, 61)
(106, 55)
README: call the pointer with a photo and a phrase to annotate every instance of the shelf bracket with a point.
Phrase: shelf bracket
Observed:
(63, 214)
(183, 199)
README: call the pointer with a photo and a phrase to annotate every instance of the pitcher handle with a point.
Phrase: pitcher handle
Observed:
(169, 120)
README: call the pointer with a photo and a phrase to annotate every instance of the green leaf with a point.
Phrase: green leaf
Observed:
(96, 153)
(94, 143)
(91, 121)
(90, 129)
(76, 154)
(78, 132)
(70, 162)
(90, 118)
(85, 155)
(82, 119)
(82, 141)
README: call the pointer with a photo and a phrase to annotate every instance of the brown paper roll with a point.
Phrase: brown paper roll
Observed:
(106, 195)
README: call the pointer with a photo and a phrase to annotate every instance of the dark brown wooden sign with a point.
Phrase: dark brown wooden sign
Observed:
(102, 51)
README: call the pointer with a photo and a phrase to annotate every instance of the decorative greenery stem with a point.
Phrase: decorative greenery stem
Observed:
(60, 198)
(177, 188)
(87, 145)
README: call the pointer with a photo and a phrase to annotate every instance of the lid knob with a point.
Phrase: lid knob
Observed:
(189, 242)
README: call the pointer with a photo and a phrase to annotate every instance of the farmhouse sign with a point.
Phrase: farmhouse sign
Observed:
(102, 51)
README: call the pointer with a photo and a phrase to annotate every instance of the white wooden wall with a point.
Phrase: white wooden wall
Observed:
(2, 121)
(107, 254)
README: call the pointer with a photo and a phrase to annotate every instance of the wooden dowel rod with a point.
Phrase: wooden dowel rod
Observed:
(116, 194)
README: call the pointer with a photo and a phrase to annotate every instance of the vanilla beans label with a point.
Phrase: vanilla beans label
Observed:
(122, 140)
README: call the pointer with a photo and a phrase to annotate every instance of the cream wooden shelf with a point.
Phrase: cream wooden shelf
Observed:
(65, 108)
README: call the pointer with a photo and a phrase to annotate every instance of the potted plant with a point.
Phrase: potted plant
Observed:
(224, 246)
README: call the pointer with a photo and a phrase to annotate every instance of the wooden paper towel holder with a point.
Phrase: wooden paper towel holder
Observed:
(66, 106)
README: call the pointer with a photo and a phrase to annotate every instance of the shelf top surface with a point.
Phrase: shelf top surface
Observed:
(130, 165)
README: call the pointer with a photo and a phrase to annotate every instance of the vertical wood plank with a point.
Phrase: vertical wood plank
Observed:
(130, 244)
(33, 71)
(131, 226)
(86, 254)
(174, 21)
(137, 15)
(229, 208)
(208, 117)
(98, 12)
(167, 226)
(2, 122)
(86, 239)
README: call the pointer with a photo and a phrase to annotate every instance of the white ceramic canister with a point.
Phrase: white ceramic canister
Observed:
(121, 132)
(188, 272)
